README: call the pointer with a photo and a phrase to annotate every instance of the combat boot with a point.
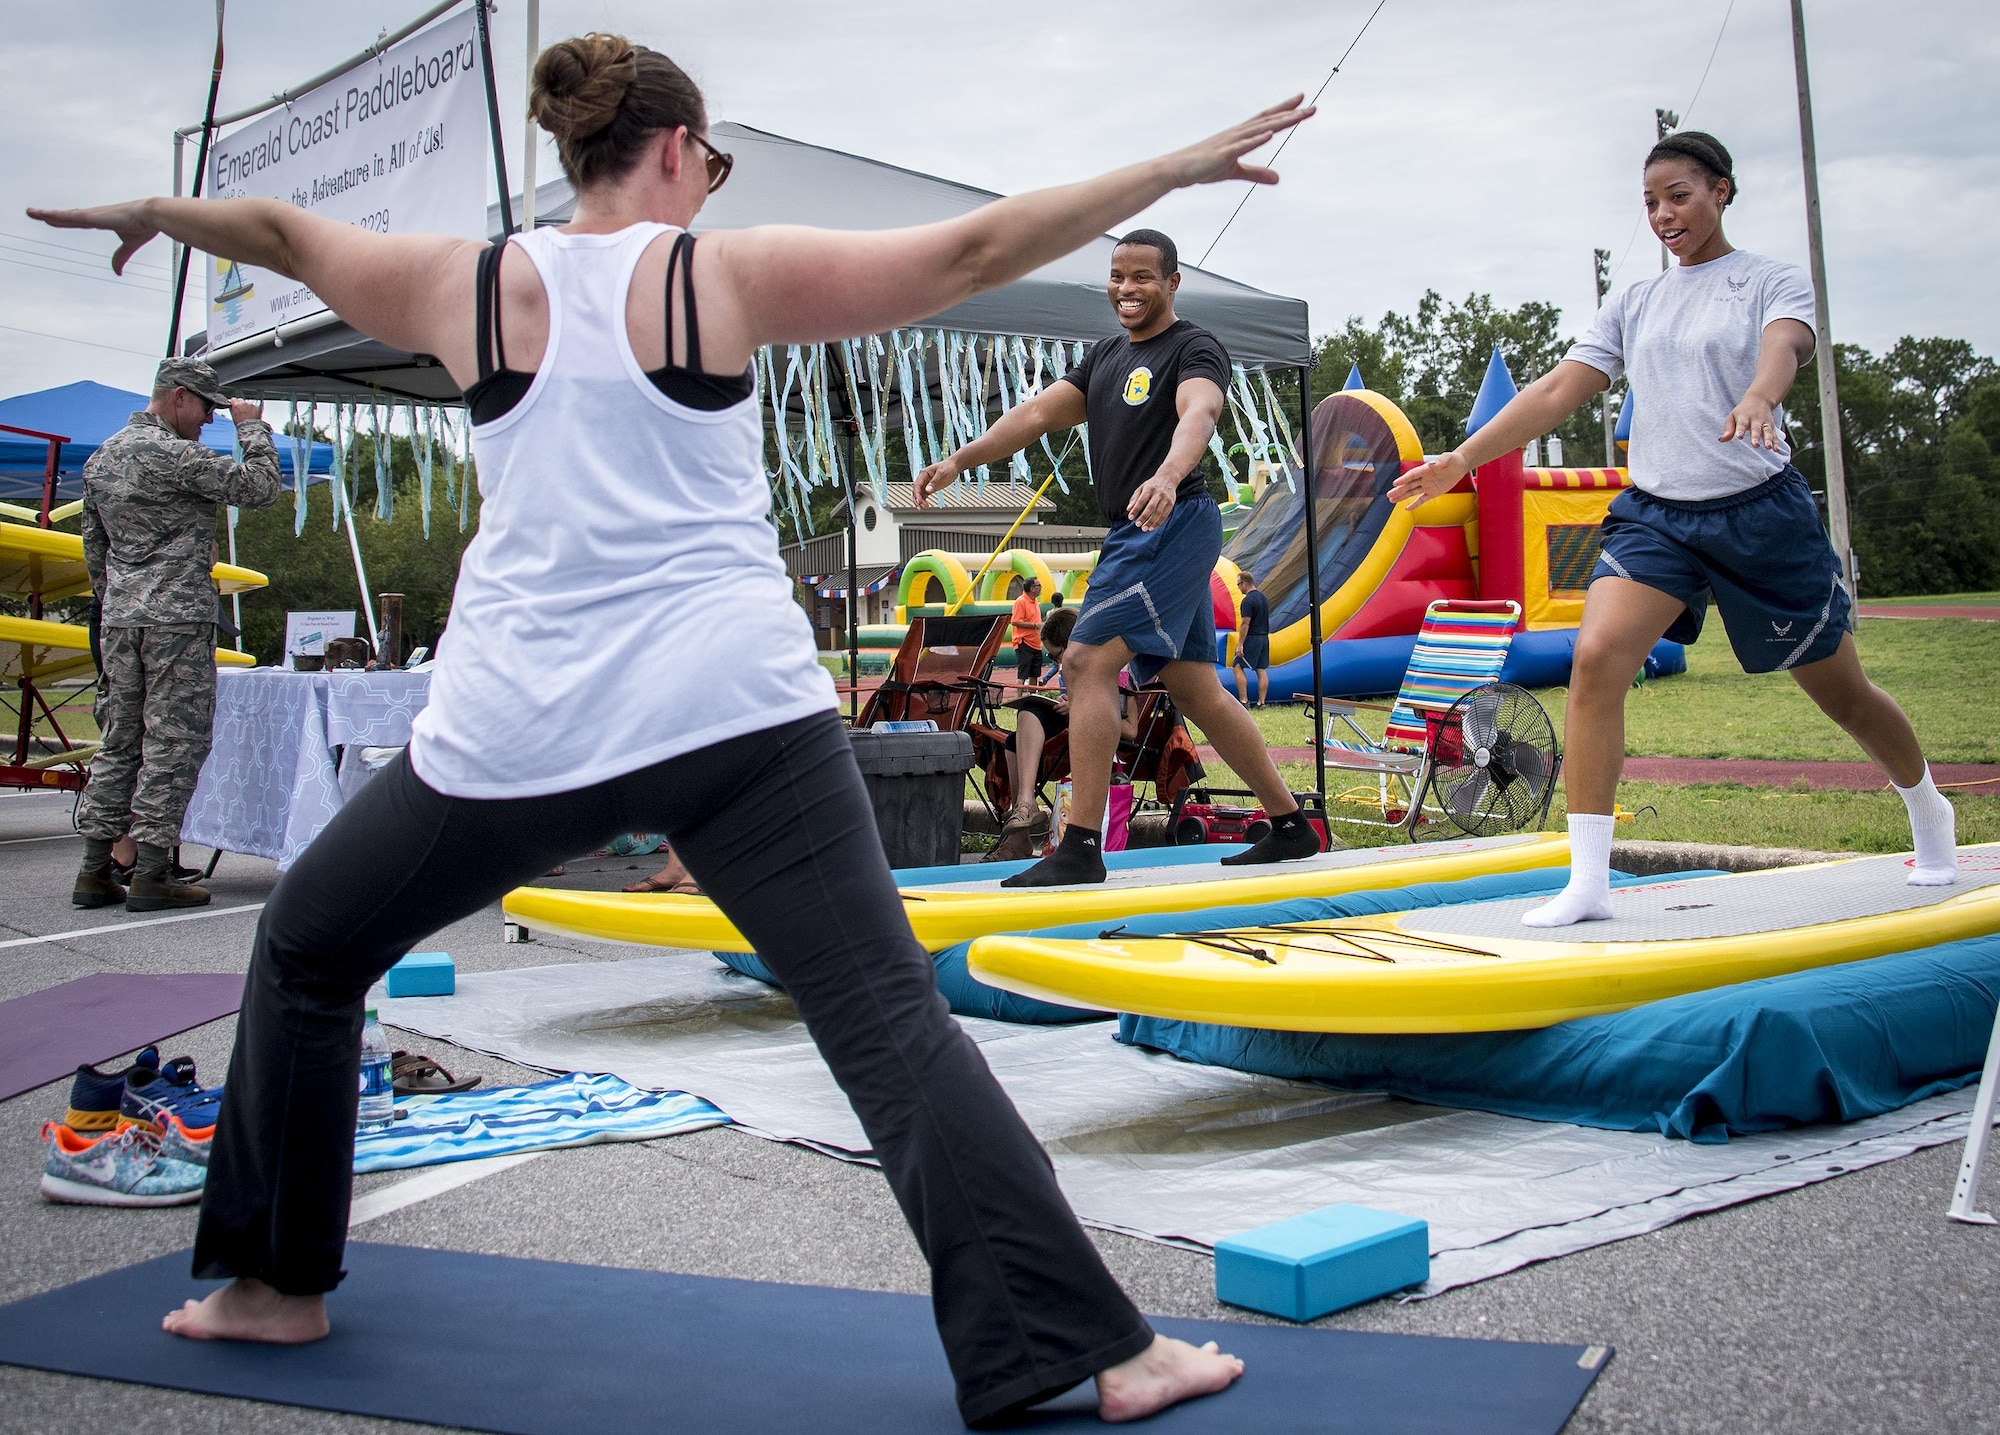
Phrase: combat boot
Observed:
(95, 886)
(153, 886)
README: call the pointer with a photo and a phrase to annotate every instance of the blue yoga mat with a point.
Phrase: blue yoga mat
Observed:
(539, 1348)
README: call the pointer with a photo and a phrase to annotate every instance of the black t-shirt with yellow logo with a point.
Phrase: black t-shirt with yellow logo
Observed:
(1128, 391)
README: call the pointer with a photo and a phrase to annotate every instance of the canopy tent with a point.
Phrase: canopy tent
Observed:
(86, 414)
(784, 181)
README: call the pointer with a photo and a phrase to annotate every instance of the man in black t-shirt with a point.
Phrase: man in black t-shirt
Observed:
(1151, 396)
(1253, 640)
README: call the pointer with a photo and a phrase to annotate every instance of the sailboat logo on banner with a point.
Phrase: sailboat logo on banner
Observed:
(232, 291)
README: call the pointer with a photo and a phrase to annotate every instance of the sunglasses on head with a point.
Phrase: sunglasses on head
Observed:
(719, 164)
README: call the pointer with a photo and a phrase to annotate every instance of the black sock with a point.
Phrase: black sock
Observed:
(1290, 838)
(1078, 860)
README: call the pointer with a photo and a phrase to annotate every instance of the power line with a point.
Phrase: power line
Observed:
(78, 268)
(1294, 130)
(65, 338)
(129, 286)
(1686, 110)
(92, 254)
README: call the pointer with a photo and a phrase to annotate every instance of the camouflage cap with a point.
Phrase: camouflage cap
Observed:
(193, 375)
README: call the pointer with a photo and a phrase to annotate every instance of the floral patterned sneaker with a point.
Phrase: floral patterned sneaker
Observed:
(182, 1142)
(125, 1168)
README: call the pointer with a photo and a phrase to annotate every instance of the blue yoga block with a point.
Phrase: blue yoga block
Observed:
(422, 974)
(1325, 1260)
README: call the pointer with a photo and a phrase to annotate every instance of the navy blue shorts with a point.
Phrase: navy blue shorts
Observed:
(1763, 556)
(1152, 590)
(1254, 653)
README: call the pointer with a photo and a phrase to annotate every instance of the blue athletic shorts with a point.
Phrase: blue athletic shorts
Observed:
(1763, 556)
(1151, 589)
(1253, 653)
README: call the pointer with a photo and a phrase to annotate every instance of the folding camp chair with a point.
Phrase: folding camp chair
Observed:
(1456, 735)
(941, 672)
(1162, 755)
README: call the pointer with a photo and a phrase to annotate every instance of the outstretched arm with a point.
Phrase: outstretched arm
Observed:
(408, 290)
(1786, 345)
(1534, 411)
(1059, 406)
(803, 286)
(1199, 403)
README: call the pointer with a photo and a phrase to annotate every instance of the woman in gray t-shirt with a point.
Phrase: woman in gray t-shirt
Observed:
(1716, 510)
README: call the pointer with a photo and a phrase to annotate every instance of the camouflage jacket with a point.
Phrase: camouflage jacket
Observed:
(149, 500)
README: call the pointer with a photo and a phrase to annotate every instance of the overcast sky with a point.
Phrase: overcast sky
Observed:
(1467, 145)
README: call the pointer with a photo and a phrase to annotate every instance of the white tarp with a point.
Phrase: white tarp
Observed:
(398, 144)
(1152, 1146)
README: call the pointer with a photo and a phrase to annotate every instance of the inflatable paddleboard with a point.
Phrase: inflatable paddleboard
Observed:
(1476, 968)
(946, 913)
(49, 564)
(47, 652)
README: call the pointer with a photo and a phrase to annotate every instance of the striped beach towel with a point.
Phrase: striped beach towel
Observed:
(574, 1110)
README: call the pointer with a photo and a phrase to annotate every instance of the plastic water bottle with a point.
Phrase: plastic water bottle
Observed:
(378, 1098)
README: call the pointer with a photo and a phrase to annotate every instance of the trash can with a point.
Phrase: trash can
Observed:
(916, 781)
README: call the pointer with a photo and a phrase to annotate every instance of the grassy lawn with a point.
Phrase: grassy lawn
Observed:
(1936, 670)
(1940, 600)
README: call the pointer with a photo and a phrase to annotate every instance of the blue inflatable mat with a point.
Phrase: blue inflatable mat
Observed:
(1834, 1044)
(525, 1347)
(970, 997)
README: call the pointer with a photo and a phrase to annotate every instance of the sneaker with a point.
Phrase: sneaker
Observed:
(181, 1142)
(122, 1169)
(173, 1088)
(94, 1095)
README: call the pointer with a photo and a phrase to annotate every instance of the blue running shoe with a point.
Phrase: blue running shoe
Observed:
(122, 1169)
(149, 1094)
(95, 1096)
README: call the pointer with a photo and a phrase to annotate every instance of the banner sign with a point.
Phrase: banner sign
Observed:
(398, 145)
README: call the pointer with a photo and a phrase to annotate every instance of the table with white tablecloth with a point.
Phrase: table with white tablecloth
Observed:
(273, 779)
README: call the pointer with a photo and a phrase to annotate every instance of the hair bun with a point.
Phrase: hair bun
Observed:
(580, 83)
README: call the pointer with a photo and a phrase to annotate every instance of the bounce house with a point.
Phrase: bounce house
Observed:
(1508, 532)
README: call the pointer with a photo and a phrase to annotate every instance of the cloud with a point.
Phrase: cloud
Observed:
(1466, 147)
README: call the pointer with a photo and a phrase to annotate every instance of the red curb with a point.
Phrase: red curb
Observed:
(1756, 772)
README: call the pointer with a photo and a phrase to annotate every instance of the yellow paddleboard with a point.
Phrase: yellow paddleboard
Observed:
(49, 564)
(958, 912)
(1476, 968)
(47, 652)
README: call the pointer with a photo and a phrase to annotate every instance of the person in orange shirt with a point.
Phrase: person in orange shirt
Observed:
(1027, 620)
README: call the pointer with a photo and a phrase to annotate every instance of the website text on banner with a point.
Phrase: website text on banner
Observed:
(397, 144)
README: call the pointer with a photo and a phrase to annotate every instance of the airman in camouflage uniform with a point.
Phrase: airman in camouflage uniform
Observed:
(149, 499)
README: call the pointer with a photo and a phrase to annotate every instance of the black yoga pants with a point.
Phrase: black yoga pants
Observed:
(777, 828)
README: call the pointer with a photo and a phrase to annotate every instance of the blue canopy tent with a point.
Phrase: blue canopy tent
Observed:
(87, 414)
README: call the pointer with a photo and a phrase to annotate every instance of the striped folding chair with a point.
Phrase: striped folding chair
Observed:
(1462, 646)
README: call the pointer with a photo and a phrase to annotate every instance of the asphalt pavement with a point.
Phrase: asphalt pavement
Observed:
(1851, 1305)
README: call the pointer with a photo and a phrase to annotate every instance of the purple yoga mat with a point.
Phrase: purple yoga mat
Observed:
(49, 1033)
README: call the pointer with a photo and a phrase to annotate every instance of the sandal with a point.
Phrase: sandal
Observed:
(413, 1075)
(685, 887)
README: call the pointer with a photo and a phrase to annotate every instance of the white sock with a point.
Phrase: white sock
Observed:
(1934, 829)
(1587, 898)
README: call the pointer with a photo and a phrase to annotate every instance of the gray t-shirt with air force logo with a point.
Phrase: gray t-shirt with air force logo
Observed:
(1688, 340)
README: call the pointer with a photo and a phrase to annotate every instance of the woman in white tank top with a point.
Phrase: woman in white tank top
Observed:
(624, 654)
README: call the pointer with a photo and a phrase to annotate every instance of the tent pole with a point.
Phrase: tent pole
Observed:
(493, 119)
(1307, 461)
(853, 579)
(530, 149)
(200, 171)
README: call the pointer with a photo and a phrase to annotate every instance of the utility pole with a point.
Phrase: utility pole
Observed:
(529, 146)
(1665, 122)
(1601, 265)
(1829, 389)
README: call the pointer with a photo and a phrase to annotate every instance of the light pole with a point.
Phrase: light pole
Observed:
(1665, 122)
(1829, 391)
(1601, 265)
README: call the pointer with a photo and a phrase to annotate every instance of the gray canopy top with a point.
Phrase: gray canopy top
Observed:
(783, 181)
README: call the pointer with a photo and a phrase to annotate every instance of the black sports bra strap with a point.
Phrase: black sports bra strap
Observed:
(682, 255)
(488, 337)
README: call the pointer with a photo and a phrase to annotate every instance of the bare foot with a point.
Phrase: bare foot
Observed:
(1164, 1373)
(250, 1310)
